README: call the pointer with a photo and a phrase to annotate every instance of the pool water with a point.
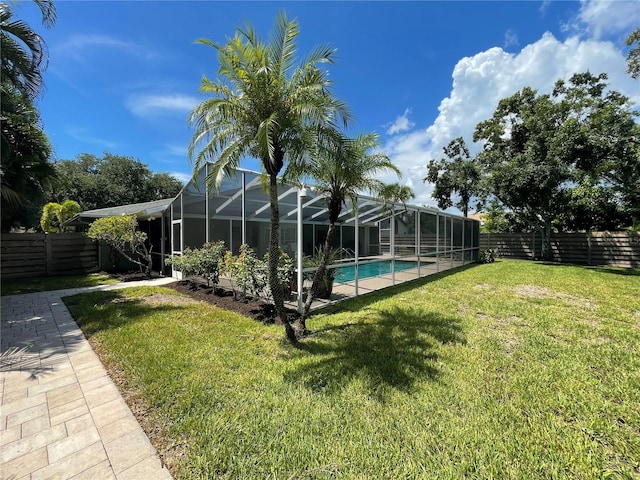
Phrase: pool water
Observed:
(374, 269)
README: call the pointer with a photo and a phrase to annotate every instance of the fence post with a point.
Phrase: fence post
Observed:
(48, 254)
(533, 244)
(589, 247)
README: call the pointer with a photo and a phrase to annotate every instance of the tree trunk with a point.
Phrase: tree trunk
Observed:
(274, 255)
(546, 240)
(320, 272)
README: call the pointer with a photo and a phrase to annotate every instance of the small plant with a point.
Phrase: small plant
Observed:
(205, 262)
(488, 256)
(246, 271)
(326, 283)
(286, 272)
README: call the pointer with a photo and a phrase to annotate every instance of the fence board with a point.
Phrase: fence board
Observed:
(620, 249)
(29, 255)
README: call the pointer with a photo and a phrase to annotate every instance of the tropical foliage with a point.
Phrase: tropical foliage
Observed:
(55, 214)
(341, 170)
(24, 52)
(25, 149)
(266, 106)
(25, 169)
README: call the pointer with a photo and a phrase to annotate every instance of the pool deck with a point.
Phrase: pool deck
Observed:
(347, 290)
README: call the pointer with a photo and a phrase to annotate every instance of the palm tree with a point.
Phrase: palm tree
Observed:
(341, 172)
(25, 171)
(264, 106)
(24, 52)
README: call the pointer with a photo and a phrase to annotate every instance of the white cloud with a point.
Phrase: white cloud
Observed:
(79, 47)
(151, 105)
(603, 17)
(480, 81)
(510, 39)
(83, 135)
(401, 123)
(183, 177)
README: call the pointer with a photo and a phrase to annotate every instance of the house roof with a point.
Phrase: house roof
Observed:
(143, 211)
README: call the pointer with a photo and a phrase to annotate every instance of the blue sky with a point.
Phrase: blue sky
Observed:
(123, 76)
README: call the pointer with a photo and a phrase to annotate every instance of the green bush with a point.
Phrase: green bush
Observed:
(249, 275)
(206, 262)
(488, 256)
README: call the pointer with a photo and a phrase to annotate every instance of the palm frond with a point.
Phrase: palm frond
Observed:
(283, 46)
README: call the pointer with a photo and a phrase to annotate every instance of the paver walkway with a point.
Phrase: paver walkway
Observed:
(61, 415)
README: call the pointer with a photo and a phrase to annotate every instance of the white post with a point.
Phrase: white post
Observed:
(357, 245)
(418, 238)
(437, 242)
(393, 245)
(162, 241)
(302, 192)
(207, 225)
(244, 208)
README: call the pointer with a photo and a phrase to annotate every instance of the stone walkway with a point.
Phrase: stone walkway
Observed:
(61, 415)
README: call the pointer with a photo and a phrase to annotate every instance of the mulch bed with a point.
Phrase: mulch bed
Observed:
(249, 307)
(254, 308)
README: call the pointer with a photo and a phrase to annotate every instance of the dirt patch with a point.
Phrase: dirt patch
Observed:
(484, 286)
(164, 299)
(534, 291)
(250, 307)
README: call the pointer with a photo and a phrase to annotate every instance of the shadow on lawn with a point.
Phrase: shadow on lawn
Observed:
(98, 311)
(395, 349)
(632, 272)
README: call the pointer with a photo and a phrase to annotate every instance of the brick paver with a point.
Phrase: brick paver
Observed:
(61, 416)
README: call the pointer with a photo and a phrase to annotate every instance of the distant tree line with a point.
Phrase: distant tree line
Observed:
(29, 178)
(564, 161)
(109, 181)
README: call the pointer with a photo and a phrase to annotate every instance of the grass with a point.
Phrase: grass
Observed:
(44, 284)
(509, 370)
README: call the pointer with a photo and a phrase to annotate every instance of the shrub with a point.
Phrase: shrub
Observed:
(246, 271)
(122, 234)
(55, 214)
(488, 256)
(205, 262)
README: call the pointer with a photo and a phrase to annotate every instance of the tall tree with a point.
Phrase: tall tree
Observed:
(25, 150)
(456, 175)
(25, 171)
(341, 171)
(24, 52)
(538, 146)
(111, 180)
(633, 58)
(265, 106)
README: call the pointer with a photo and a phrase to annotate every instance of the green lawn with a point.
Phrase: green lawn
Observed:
(45, 284)
(509, 370)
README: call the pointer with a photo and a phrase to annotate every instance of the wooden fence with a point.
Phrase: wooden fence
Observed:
(24, 255)
(619, 249)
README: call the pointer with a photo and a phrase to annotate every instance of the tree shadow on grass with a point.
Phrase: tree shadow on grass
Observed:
(394, 350)
(632, 272)
(101, 311)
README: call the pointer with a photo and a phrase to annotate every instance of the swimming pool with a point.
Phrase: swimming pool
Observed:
(373, 269)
